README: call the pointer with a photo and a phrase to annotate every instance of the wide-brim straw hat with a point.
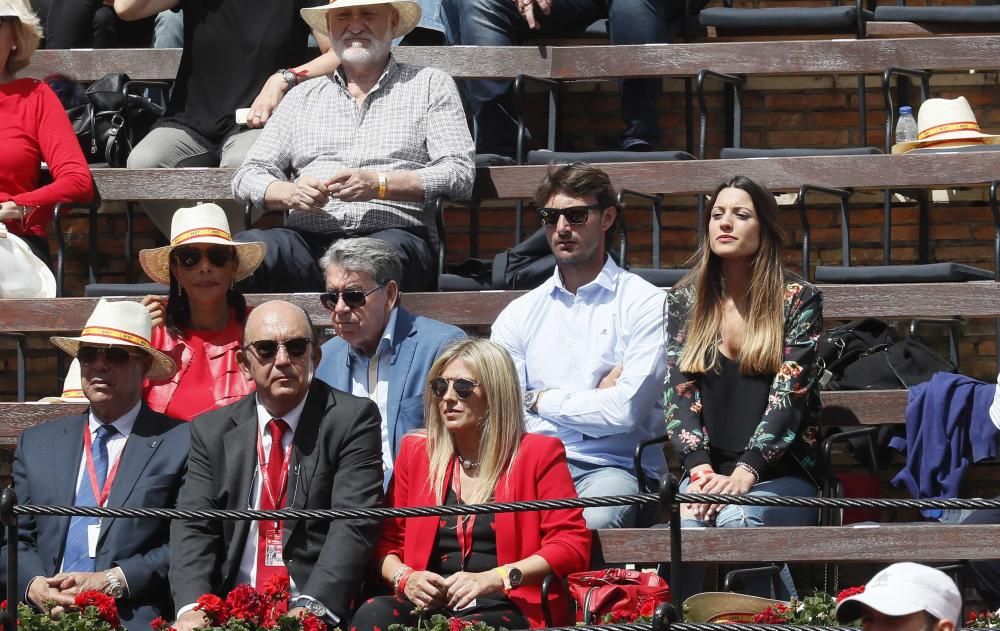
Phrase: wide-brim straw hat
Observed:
(72, 391)
(122, 323)
(726, 607)
(409, 14)
(945, 123)
(204, 223)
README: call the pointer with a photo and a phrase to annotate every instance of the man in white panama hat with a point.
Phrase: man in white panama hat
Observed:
(362, 152)
(117, 454)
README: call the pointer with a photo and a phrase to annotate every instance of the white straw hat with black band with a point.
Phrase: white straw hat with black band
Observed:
(409, 14)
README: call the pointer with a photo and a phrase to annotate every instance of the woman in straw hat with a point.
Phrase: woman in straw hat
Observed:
(485, 568)
(202, 320)
(34, 128)
(740, 353)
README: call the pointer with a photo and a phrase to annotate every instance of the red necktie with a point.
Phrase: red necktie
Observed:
(272, 496)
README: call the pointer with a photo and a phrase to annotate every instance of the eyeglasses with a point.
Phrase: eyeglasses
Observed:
(218, 255)
(574, 214)
(353, 298)
(464, 388)
(267, 350)
(116, 355)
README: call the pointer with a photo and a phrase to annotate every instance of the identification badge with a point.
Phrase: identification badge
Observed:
(272, 550)
(93, 532)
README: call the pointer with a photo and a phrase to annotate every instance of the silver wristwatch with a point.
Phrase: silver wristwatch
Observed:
(290, 77)
(531, 400)
(115, 586)
(316, 608)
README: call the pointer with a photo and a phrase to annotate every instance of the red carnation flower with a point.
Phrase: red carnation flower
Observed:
(312, 623)
(214, 607)
(775, 614)
(159, 624)
(104, 604)
(277, 587)
(850, 591)
(647, 608)
(246, 603)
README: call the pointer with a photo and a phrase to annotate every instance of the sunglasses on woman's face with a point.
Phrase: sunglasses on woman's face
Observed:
(116, 355)
(574, 214)
(267, 350)
(464, 388)
(189, 257)
(353, 298)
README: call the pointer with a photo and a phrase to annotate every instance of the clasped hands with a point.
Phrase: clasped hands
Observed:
(432, 591)
(709, 482)
(56, 594)
(352, 185)
(527, 9)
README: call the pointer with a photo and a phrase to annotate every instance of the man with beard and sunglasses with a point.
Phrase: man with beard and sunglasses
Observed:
(588, 346)
(365, 151)
(382, 351)
(117, 454)
(295, 443)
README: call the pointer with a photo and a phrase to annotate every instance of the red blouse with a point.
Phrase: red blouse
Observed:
(208, 376)
(539, 472)
(34, 128)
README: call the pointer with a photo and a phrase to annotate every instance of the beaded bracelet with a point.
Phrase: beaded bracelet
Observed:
(397, 577)
(749, 469)
(400, 588)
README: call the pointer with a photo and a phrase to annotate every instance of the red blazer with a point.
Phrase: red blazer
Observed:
(539, 472)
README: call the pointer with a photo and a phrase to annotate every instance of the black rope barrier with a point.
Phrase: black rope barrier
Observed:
(502, 507)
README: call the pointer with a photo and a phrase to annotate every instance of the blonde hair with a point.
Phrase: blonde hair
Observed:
(762, 347)
(27, 35)
(500, 430)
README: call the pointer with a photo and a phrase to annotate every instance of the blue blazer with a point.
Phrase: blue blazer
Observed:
(152, 469)
(417, 341)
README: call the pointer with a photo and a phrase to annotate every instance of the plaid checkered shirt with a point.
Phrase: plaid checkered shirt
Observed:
(411, 120)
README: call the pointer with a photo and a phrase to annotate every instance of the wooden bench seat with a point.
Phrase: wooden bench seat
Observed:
(886, 543)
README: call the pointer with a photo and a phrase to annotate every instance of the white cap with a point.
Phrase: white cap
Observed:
(905, 588)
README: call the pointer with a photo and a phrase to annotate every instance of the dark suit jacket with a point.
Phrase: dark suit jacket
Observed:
(336, 462)
(416, 341)
(46, 465)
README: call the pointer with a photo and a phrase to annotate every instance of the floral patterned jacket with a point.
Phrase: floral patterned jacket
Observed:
(789, 423)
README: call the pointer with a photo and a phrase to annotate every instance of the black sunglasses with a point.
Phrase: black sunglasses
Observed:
(267, 350)
(116, 355)
(574, 214)
(353, 298)
(218, 255)
(463, 387)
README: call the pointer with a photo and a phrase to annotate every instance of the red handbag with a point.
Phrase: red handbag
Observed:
(615, 595)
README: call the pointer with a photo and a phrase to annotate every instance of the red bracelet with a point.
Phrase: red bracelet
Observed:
(697, 475)
(401, 583)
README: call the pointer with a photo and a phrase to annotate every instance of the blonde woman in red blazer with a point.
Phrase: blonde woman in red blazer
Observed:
(486, 568)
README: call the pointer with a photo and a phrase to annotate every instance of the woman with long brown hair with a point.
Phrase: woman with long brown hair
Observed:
(741, 390)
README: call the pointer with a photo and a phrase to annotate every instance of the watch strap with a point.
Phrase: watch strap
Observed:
(505, 575)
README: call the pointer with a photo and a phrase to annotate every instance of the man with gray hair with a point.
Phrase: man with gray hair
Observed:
(382, 351)
(364, 151)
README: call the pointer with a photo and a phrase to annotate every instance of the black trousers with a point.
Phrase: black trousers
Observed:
(291, 263)
(381, 611)
(90, 24)
(986, 573)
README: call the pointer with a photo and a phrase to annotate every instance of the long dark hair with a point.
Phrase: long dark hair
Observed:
(177, 315)
(762, 348)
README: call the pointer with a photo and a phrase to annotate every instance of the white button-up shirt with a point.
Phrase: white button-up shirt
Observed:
(370, 379)
(565, 343)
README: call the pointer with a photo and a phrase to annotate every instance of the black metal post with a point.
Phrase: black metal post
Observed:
(8, 499)
(667, 494)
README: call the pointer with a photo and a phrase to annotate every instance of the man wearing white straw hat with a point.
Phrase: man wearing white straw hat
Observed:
(117, 454)
(365, 151)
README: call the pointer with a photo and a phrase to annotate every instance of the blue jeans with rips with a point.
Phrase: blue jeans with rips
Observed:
(736, 516)
(498, 23)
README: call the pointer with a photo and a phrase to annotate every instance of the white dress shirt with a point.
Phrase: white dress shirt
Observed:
(370, 379)
(565, 343)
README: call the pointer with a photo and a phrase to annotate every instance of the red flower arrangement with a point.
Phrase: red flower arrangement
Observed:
(249, 609)
(92, 611)
(983, 620)
(818, 609)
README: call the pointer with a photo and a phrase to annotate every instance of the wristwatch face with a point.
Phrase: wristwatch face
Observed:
(288, 76)
(515, 576)
(316, 608)
(117, 591)
(528, 400)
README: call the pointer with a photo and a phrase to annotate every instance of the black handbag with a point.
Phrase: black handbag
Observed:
(112, 122)
(840, 347)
